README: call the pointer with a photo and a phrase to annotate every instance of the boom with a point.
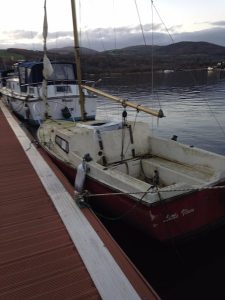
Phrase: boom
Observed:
(124, 102)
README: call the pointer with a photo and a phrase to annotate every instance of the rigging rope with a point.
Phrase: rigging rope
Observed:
(167, 30)
(193, 77)
(114, 28)
(152, 46)
(137, 111)
(214, 116)
(152, 81)
(142, 30)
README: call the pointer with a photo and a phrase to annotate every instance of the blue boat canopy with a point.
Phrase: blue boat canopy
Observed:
(30, 72)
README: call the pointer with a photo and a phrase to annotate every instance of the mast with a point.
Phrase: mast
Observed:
(77, 58)
(44, 83)
(47, 67)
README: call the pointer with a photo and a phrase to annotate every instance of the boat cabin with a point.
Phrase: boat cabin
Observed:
(31, 74)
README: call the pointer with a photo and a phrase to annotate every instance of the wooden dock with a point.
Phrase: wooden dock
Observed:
(49, 248)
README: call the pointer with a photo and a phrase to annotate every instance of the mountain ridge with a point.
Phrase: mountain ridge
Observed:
(129, 59)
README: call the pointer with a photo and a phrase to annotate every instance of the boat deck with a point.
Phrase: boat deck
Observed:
(48, 249)
(185, 173)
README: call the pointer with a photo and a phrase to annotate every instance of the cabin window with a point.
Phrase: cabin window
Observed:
(63, 89)
(62, 72)
(63, 144)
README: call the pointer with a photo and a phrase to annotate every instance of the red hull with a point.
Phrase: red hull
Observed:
(165, 220)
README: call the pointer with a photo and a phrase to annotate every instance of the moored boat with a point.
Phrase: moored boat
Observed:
(160, 186)
(22, 90)
(163, 187)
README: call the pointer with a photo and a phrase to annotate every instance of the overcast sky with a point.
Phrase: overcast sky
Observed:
(107, 24)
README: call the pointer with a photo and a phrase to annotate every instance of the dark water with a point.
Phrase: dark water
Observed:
(193, 102)
(194, 105)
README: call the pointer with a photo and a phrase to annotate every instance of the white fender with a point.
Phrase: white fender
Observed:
(80, 177)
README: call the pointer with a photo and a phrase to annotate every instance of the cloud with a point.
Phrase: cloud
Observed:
(57, 35)
(19, 34)
(105, 39)
(218, 23)
(34, 40)
(213, 35)
(109, 38)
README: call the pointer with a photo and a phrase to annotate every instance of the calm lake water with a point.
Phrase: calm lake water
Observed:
(194, 105)
(192, 101)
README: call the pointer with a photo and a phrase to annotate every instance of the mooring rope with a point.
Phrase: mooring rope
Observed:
(154, 190)
(139, 201)
(121, 216)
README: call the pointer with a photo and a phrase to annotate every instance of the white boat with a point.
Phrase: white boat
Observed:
(163, 187)
(22, 90)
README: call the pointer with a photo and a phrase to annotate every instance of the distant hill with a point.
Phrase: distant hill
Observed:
(181, 48)
(70, 50)
(180, 55)
(192, 48)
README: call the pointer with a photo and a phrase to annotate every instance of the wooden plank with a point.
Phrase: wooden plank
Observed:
(104, 271)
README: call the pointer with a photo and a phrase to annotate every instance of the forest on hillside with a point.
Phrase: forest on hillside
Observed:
(183, 55)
